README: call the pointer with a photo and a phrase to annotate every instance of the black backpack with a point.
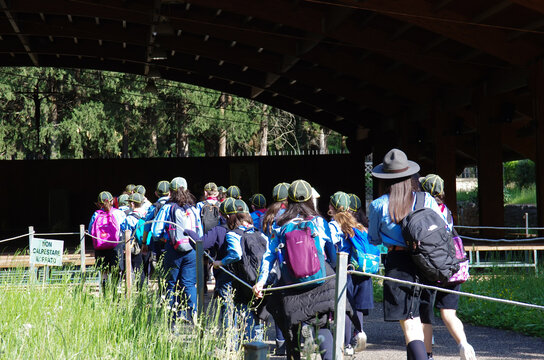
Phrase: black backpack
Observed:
(429, 243)
(209, 215)
(253, 247)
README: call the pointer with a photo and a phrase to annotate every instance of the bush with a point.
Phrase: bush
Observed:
(520, 173)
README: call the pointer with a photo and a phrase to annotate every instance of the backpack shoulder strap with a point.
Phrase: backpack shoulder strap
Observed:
(420, 200)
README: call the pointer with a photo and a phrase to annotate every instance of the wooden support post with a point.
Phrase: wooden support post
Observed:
(340, 304)
(82, 247)
(490, 167)
(200, 283)
(445, 158)
(255, 351)
(538, 106)
(128, 262)
(32, 271)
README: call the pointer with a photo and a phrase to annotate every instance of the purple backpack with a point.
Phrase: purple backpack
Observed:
(105, 230)
(303, 257)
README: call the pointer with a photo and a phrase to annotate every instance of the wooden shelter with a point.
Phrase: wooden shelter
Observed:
(453, 83)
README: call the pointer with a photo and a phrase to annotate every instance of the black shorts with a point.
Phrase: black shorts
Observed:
(401, 301)
(447, 300)
(106, 259)
(426, 305)
(437, 299)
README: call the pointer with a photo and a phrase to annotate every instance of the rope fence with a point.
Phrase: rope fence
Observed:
(341, 274)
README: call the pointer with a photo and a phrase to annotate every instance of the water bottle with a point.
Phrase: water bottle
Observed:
(280, 254)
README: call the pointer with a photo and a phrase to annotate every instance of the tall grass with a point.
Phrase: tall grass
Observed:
(70, 322)
(525, 195)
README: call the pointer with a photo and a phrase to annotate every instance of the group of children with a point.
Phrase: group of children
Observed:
(258, 243)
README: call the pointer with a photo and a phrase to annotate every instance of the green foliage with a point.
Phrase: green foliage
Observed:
(520, 173)
(72, 113)
(519, 286)
(468, 196)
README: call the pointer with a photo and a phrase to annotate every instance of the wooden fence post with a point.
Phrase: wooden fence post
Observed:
(32, 267)
(82, 246)
(340, 305)
(128, 262)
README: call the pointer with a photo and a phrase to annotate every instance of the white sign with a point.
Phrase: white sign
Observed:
(46, 252)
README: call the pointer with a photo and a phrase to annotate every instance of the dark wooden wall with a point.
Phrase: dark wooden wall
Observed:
(58, 195)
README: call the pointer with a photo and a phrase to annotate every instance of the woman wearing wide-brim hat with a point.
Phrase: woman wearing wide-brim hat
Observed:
(401, 302)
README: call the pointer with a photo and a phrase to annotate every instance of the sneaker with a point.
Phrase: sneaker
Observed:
(359, 341)
(348, 351)
(280, 348)
(430, 356)
(308, 335)
(467, 351)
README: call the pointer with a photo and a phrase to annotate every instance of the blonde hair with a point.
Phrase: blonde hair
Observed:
(347, 222)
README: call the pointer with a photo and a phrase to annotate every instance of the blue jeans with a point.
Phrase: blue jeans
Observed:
(181, 274)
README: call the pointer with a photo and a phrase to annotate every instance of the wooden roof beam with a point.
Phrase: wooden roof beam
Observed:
(350, 33)
(536, 5)
(23, 39)
(456, 27)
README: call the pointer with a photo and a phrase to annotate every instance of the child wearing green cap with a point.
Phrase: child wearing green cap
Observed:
(258, 205)
(294, 312)
(343, 227)
(241, 228)
(106, 254)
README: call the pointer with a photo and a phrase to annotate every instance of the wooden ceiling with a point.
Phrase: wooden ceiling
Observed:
(358, 67)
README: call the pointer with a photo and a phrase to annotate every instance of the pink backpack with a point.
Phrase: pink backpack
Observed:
(462, 275)
(105, 230)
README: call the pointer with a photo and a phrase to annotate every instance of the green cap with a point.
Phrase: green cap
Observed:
(123, 199)
(433, 184)
(163, 187)
(234, 191)
(178, 182)
(258, 200)
(221, 189)
(300, 191)
(241, 206)
(280, 192)
(354, 202)
(340, 201)
(211, 186)
(136, 197)
(104, 196)
(228, 206)
(130, 188)
(140, 189)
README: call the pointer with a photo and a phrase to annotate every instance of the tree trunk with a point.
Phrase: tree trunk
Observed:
(322, 142)
(222, 135)
(264, 133)
(54, 150)
(182, 144)
(37, 115)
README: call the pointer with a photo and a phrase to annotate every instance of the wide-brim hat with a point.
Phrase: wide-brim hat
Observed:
(395, 165)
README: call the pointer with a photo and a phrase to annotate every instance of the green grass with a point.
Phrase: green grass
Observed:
(518, 285)
(70, 322)
(526, 195)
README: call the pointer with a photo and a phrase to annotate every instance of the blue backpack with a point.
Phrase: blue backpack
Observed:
(301, 255)
(364, 256)
(139, 228)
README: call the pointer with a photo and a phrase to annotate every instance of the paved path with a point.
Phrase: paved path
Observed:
(385, 342)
